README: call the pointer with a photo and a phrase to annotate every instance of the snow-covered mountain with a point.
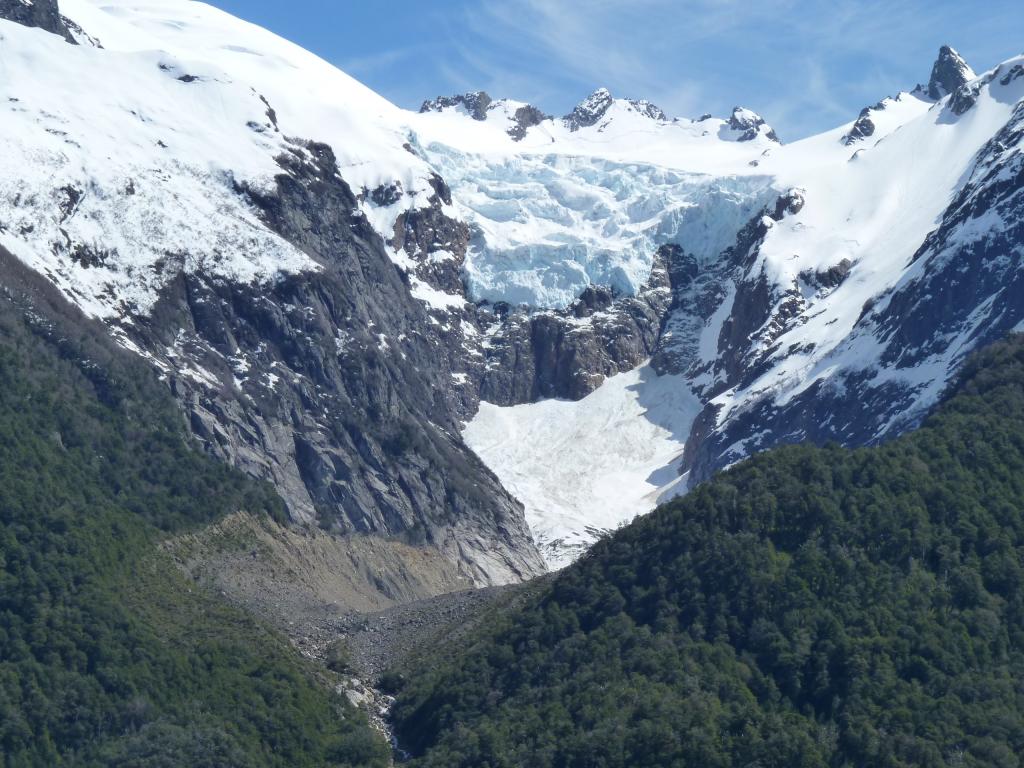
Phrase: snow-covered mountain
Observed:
(332, 285)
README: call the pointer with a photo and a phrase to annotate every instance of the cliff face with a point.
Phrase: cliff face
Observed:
(334, 386)
(331, 286)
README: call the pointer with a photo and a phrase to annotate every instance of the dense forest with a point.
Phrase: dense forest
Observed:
(810, 607)
(108, 656)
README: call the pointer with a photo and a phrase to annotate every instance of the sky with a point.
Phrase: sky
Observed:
(805, 65)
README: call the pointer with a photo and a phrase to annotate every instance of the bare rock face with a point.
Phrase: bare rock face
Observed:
(526, 117)
(478, 105)
(949, 72)
(863, 127)
(44, 14)
(568, 353)
(334, 386)
(475, 103)
(590, 111)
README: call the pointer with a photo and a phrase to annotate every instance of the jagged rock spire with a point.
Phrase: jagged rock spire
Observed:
(590, 110)
(949, 73)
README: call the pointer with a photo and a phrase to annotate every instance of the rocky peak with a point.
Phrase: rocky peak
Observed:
(474, 102)
(949, 72)
(750, 125)
(525, 117)
(864, 126)
(647, 109)
(590, 110)
(43, 14)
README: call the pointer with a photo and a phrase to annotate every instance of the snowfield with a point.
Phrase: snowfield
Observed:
(584, 468)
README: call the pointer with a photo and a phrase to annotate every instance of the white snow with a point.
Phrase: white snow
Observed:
(561, 209)
(158, 159)
(874, 211)
(549, 225)
(553, 213)
(586, 467)
(122, 166)
(139, 171)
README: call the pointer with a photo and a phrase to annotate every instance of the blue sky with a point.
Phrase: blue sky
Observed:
(806, 65)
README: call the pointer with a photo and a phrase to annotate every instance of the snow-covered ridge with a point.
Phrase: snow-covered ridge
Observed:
(143, 175)
(564, 203)
(176, 69)
(111, 192)
(857, 234)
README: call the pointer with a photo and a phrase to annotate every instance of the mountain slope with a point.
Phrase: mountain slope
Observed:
(811, 606)
(189, 207)
(331, 285)
(108, 655)
(841, 308)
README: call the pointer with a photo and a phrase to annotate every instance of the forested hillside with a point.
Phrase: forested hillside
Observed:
(810, 607)
(108, 656)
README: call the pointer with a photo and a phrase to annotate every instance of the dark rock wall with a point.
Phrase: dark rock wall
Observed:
(335, 386)
(43, 14)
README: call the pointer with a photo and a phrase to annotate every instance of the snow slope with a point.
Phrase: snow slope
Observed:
(865, 211)
(196, 102)
(872, 208)
(111, 191)
(587, 467)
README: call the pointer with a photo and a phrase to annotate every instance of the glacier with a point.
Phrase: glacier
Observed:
(545, 227)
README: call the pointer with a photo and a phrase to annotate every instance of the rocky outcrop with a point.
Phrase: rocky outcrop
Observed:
(524, 118)
(478, 105)
(949, 73)
(749, 125)
(863, 127)
(44, 14)
(589, 111)
(527, 356)
(592, 109)
(475, 103)
(760, 311)
(966, 96)
(648, 110)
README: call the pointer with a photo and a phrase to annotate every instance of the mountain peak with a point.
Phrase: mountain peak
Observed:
(647, 109)
(949, 72)
(751, 125)
(475, 103)
(590, 110)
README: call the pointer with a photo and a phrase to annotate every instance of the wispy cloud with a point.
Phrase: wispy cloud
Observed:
(363, 66)
(806, 65)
